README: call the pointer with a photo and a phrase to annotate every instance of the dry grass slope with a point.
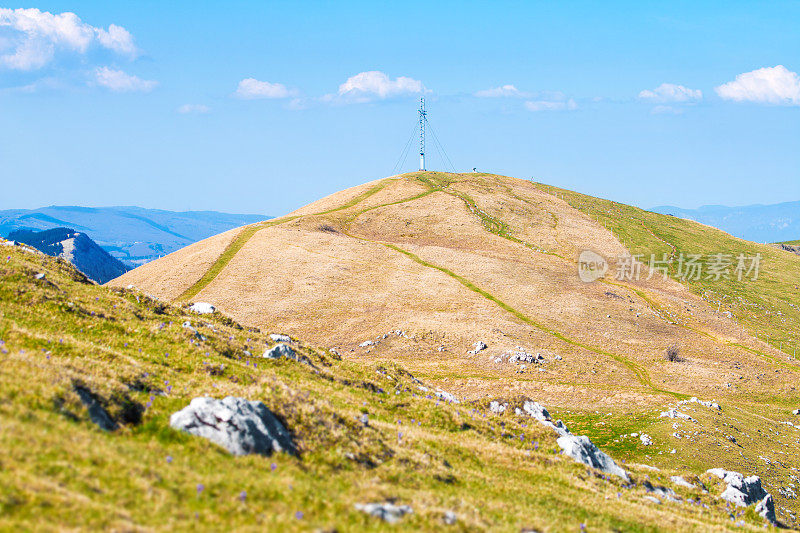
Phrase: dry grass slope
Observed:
(60, 472)
(452, 259)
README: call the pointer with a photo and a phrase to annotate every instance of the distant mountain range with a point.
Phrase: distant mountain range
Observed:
(760, 223)
(76, 248)
(133, 235)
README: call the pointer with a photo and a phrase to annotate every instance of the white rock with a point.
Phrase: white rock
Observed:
(479, 347)
(450, 518)
(446, 396)
(497, 407)
(646, 439)
(280, 338)
(709, 404)
(388, 512)
(202, 308)
(678, 480)
(579, 448)
(584, 451)
(366, 343)
(796, 412)
(240, 426)
(674, 413)
(559, 358)
(743, 491)
(280, 350)
(537, 411)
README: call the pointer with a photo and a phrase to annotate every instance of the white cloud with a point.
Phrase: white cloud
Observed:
(666, 110)
(504, 91)
(551, 105)
(251, 88)
(32, 37)
(372, 85)
(769, 85)
(670, 92)
(119, 81)
(186, 109)
(117, 39)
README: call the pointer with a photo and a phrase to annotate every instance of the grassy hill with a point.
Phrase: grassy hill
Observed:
(133, 355)
(403, 276)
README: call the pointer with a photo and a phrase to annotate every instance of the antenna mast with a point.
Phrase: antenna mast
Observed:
(422, 120)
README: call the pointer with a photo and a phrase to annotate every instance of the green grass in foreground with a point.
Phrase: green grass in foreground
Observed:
(59, 471)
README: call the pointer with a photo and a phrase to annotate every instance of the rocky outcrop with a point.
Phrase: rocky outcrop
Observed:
(240, 426)
(202, 308)
(584, 451)
(280, 350)
(579, 448)
(744, 491)
(97, 413)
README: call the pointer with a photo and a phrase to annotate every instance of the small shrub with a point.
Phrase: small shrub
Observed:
(326, 228)
(673, 354)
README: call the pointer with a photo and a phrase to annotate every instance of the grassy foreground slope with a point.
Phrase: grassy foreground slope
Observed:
(451, 259)
(60, 333)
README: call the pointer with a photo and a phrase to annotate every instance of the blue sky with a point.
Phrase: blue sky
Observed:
(262, 107)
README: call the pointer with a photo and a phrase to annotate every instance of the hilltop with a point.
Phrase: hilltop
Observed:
(451, 260)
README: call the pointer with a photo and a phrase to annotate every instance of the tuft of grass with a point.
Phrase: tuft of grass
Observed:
(673, 354)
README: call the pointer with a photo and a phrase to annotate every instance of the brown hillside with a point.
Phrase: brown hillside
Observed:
(456, 259)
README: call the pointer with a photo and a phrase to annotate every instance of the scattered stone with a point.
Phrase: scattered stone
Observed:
(479, 347)
(388, 512)
(276, 337)
(678, 480)
(653, 499)
(584, 451)
(240, 426)
(97, 414)
(744, 491)
(450, 518)
(559, 358)
(646, 439)
(40, 275)
(497, 407)
(446, 396)
(674, 413)
(664, 492)
(796, 412)
(280, 350)
(521, 356)
(366, 343)
(710, 405)
(202, 308)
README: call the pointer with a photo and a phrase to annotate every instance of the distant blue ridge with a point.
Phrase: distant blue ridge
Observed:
(759, 223)
(133, 235)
